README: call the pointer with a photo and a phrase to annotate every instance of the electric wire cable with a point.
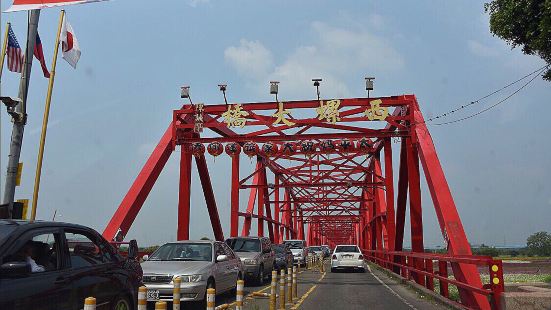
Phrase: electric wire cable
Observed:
(496, 104)
(536, 73)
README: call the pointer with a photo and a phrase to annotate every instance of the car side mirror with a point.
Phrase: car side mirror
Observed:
(133, 249)
(221, 258)
(145, 257)
(15, 269)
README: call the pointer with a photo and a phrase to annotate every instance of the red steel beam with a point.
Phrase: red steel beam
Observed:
(210, 200)
(446, 212)
(185, 194)
(135, 197)
(234, 220)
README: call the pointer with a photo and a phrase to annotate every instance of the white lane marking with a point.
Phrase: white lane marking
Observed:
(391, 290)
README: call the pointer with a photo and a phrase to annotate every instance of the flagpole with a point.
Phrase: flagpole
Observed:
(4, 48)
(45, 120)
(21, 119)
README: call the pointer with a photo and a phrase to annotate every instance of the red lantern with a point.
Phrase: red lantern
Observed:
(307, 148)
(233, 149)
(345, 145)
(215, 148)
(197, 149)
(289, 148)
(269, 149)
(250, 149)
(364, 145)
(327, 146)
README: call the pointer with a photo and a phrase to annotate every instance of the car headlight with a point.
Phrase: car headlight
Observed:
(192, 278)
(250, 261)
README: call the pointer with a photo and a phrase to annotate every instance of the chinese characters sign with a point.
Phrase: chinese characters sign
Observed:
(327, 111)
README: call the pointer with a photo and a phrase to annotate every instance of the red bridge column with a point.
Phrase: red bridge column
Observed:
(184, 194)
(234, 225)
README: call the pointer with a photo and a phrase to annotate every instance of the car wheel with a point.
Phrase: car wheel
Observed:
(260, 279)
(121, 303)
(333, 270)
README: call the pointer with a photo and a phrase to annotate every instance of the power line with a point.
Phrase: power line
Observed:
(536, 72)
(499, 102)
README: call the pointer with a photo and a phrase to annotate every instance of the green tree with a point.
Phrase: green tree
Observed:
(524, 23)
(539, 243)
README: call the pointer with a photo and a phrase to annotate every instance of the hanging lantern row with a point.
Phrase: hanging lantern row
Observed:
(271, 149)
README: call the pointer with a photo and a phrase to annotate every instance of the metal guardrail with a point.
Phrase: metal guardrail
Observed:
(420, 268)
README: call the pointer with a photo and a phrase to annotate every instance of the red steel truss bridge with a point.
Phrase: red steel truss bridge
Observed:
(324, 173)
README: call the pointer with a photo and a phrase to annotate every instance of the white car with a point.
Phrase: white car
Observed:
(347, 257)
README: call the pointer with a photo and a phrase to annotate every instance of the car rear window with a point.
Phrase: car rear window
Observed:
(347, 248)
(244, 245)
(295, 244)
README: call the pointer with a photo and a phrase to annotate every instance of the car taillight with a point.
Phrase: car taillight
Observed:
(334, 256)
(361, 256)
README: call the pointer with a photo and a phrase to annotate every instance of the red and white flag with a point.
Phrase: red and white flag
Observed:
(69, 44)
(22, 5)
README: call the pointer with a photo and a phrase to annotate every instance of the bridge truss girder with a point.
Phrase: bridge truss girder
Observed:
(328, 198)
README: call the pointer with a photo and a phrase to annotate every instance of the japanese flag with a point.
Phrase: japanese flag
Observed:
(69, 44)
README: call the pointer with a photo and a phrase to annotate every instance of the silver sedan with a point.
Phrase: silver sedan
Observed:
(199, 264)
(347, 257)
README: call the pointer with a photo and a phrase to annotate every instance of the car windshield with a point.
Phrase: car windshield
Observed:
(183, 252)
(315, 248)
(347, 248)
(244, 245)
(5, 231)
(295, 244)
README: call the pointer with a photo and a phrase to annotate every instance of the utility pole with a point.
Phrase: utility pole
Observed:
(21, 109)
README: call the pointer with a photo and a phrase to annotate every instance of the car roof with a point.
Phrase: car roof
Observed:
(192, 241)
(37, 224)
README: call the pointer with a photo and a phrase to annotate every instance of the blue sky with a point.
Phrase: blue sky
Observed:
(108, 114)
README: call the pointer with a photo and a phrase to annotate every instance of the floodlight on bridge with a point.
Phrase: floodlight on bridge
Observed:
(317, 85)
(223, 88)
(274, 88)
(369, 84)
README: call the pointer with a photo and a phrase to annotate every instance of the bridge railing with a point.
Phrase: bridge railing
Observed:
(424, 268)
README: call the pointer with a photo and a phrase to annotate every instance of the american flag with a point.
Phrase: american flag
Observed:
(15, 54)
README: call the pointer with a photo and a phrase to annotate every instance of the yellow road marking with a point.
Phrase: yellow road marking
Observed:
(303, 297)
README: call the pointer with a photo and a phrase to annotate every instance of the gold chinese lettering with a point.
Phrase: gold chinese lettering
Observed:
(376, 112)
(199, 121)
(280, 114)
(329, 111)
(234, 116)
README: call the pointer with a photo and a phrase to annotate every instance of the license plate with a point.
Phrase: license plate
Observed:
(152, 294)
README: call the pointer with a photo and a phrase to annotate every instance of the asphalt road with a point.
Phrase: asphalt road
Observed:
(369, 290)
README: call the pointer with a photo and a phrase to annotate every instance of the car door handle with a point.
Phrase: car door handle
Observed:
(61, 280)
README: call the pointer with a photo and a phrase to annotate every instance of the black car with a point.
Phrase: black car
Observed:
(55, 266)
(283, 257)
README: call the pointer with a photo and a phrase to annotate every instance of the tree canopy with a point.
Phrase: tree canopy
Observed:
(523, 23)
(539, 243)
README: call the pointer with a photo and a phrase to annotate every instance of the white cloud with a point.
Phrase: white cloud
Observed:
(482, 50)
(250, 58)
(195, 3)
(335, 54)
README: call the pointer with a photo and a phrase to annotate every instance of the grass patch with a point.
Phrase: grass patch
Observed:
(508, 278)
